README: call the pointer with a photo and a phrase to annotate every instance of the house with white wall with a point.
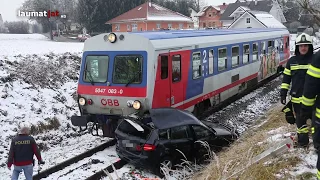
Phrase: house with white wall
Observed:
(256, 19)
(235, 10)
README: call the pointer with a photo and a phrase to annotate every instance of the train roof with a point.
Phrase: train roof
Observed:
(155, 35)
(173, 39)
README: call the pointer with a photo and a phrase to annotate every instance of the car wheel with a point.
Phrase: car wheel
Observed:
(166, 162)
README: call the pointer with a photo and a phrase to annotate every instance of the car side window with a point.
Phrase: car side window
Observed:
(164, 134)
(180, 132)
(201, 132)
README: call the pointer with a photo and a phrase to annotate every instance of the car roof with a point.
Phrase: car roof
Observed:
(164, 118)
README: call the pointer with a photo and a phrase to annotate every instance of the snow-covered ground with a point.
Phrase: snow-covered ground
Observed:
(38, 81)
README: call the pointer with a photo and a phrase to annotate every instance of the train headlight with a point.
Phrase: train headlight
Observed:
(82, 101)
(112, 37)
(136, 104)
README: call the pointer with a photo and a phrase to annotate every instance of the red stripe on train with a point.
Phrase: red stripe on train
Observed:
(112, 91)
(213, 93)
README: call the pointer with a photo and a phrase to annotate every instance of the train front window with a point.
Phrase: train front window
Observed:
(96, 69)
(127, 69)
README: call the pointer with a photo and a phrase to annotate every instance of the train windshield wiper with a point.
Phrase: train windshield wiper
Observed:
(90, 76)
(133, 78)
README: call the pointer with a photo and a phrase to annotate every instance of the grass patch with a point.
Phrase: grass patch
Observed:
(232, 163)
(40, 127)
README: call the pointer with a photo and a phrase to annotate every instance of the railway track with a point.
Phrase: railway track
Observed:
(62, 165)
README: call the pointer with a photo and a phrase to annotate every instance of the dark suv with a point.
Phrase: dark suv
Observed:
(152, 140)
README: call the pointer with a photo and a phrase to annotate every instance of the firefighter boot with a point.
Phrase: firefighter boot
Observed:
(303, 136)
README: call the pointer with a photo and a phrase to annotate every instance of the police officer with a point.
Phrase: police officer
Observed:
(310, 99)
(294, 73)
(22, 149)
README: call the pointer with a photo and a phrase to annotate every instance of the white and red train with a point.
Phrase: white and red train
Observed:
(127, 73)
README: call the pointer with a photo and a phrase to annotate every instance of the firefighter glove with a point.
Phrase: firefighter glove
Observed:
(287, 109)
(283, 100)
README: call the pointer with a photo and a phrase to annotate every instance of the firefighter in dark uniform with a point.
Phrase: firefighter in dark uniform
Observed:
(311, 102)
(22, 149)
(295, 73)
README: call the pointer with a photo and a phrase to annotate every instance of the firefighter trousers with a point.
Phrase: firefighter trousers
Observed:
(302, 129)
(316, 139)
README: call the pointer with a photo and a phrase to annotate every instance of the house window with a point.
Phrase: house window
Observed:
(246, 53)
(128, 27)
(158, 26)
(211, 56)
(117, 27)
(210, 15)
(204, 25)
(176, 68)
(255, 52)
(169, 26)
(248, 20)
(222, 59)
(180, 26)
(213, 24)
(196, 65)
(189, 25)
(209, 24)
(235, 56)
(134, 27)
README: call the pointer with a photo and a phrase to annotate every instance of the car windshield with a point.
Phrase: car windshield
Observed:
(129, 129)
(127, 69)
(96, 69)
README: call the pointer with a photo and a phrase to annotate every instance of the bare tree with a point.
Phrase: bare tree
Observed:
(311, 8)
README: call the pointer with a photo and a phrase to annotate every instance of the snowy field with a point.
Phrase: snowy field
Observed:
(38, 81)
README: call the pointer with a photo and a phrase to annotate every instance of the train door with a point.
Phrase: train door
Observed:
(177, 89)
(162, 89)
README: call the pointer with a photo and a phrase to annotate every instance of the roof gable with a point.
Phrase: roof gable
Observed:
(150, 11)
(264, 5)
(204, 9)
(244, 14)
(265, 19)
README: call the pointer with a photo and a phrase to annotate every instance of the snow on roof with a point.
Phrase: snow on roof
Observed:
(269, 21)
(168, 18)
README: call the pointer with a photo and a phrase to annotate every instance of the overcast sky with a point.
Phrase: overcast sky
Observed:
(8, 8)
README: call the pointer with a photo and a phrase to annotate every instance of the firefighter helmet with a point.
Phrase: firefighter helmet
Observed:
(303, 39)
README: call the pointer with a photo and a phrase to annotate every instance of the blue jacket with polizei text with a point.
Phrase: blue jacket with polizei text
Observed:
(22, 149)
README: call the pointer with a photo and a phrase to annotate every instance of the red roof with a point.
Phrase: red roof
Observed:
(150, 12)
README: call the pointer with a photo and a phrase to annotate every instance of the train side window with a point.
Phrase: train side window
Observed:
(287, 43)
(263, 47)
(164, 67)
(222, 59)
(196, 65)
(270, 46)
(246, 53)
(211, 61)
(235, 56)
(176, 68)
(255, 52)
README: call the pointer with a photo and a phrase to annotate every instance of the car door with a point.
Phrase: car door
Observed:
(180, 140)
(202, 134)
